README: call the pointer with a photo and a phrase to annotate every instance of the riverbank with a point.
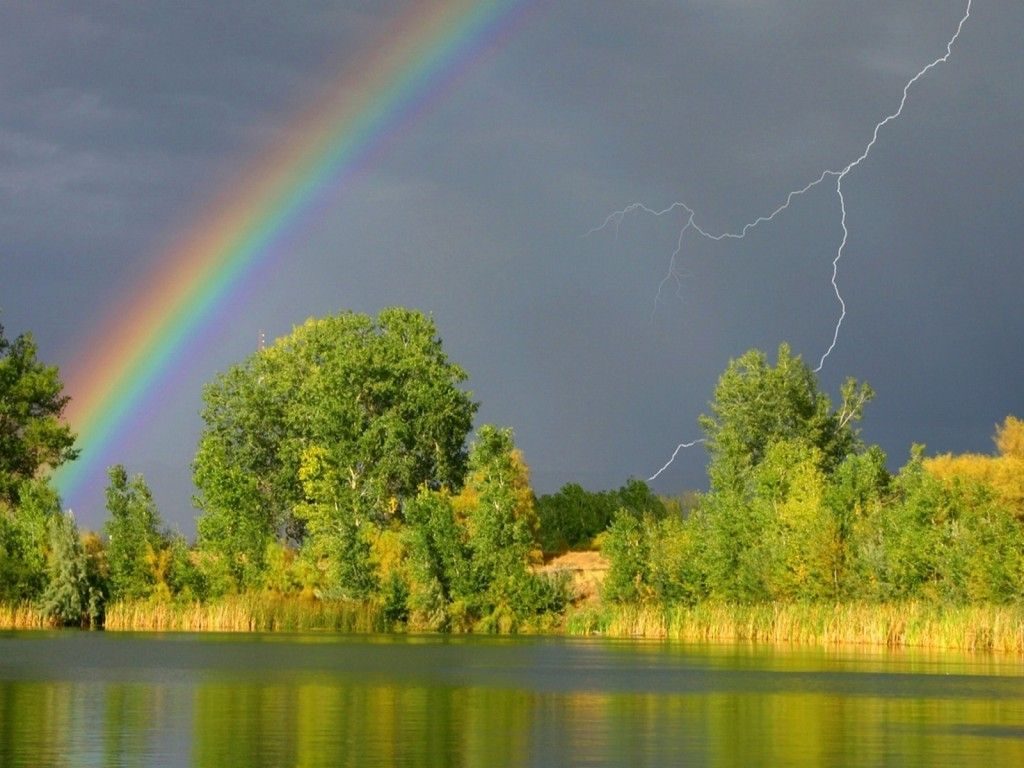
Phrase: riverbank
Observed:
(248, 613)
(23, 616)
(895, 625)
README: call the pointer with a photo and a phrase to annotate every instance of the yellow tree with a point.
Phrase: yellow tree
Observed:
(1003, 473)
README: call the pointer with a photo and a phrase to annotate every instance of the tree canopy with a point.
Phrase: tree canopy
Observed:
(32, 434)
(335, 424)
(756, 405)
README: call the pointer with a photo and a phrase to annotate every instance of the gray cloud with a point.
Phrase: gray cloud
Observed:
(120, 122)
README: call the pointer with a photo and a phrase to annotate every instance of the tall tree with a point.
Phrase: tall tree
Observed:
(134, 536)
(66, 599)
(1003, 473)
(502, 525)
(756, 405)
(775, 442)
(32, 435)
(334, 425)
(24, 541)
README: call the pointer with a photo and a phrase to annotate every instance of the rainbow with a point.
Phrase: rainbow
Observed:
(421, 57)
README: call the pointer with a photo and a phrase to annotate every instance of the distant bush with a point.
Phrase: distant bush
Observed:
(573, 516)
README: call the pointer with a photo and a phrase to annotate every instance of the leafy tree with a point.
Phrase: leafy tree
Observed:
(800, 544)
(184, 578)
(756, 405)
(337, 527)
(767, 527)
(1003, 473)
(940, 539)
(24, 541)
(97, 577)
(502, 521)
(439, 560)
(854, 495)
(652, 560)
(32, 435)
(135, 542)
(67, 599)
(497, 508)
(337, 424)
(628, 550)
(900, 547)
(1010, 438)
(572, 517)
(674, 574)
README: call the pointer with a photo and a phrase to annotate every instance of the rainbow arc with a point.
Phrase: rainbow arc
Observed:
(423, 55)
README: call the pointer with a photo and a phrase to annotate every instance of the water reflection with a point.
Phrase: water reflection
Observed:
(94, 699)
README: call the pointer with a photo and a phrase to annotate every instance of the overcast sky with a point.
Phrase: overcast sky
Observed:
(119, 122)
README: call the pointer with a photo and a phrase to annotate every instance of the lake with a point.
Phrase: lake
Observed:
(123, 699)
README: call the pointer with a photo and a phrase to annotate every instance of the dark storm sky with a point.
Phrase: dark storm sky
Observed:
(119, 122)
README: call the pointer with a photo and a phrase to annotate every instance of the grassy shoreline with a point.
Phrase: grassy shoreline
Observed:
(893, 625)
(985, 628)
(246, 613)
(23, 616)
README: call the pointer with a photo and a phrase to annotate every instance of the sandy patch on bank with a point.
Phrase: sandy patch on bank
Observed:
(587, 571)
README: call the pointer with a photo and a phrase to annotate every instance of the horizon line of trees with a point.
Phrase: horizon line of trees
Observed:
(336, 465)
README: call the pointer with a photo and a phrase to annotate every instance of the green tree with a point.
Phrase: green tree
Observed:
(184, 578)
(775, 442)
(24, 541)
(336, 424)
(652, 559)
(32, 435)
(66, 599)
(898, 549)
(854, 496)
(938, 539)
(135, 541)
(500, 516)
(439, 561)
(573, 516)
(627, 547)
(337, 527)
(756, 405)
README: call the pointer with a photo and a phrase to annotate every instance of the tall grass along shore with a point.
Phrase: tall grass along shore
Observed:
(247, 613)
(894, 625)
(23, 616)
(985, 628)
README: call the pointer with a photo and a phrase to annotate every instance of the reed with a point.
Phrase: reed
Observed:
(23, 616)
(251, 612)
(896, 625)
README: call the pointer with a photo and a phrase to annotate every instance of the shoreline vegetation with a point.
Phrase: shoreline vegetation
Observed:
(338, 490)
(973, 628)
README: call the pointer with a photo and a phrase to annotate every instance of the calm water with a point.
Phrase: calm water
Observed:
(275, 700)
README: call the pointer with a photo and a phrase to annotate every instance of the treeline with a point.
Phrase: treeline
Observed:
(337, 480)
(801, 510)
(334, 466)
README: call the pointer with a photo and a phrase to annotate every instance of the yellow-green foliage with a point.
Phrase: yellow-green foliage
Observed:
(280, 575)
(524, 508)
(1010, 438)
(971, 628)
(1003, 473)
(388, 551)
(250, 612)
(23, 616)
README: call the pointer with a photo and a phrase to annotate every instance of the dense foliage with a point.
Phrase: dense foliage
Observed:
(334, 470)
(800, 510)
(32, 435)
(329, 430)
(573, 517)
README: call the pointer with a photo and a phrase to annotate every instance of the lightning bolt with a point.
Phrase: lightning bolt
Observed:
(615, 219)
(675, 453)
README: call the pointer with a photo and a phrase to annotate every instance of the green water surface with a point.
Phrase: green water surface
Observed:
(119, 699)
